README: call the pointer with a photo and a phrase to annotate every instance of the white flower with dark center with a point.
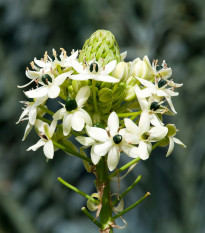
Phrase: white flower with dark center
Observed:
(143, 134)
(50, 88)
(30, 113)
(46, 133)
(158, 90)
(172, 139)
(108, 141)
(151, 106)
(73, 114)
(93, 70)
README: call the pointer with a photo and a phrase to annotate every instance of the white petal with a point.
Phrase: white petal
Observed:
(113, 158)
(144, 123)
(146, 83)
(38, 92)
(82, 95)
(102, 148)
(32, 115)
(106, 78)
(155, 120)
(129, 150)
(161, 93)
(176, 140)
(171, 146)
(61, 78)
(97, 133)
(37, 145)
(131, 138)
(52, 127)
(77, 121)
(53, 91)
(157, 133)
(48, 149)
(143, 150)
(171, 105)
(131, 126)
(113, 123)
(171, 93)
(165, 73)
(146, 92)
(81, 77)
(94, 157)
(23, 114)
(59, 114)
(33, 74)
(27, 131)
(39, 101)
(86, 117)
(40, 62)
(78, 67)
(86, 141)
(67, 124)
(108, 68)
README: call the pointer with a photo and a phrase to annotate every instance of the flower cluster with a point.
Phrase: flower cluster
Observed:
(106, 103)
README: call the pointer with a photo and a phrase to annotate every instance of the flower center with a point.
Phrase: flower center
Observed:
(145, 136)
(94, 67)
(70, 104)
(154, 106)
(117, 139)
(46, 78)
(161, 83)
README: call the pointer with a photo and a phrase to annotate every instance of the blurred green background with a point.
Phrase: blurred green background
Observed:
(31, 198)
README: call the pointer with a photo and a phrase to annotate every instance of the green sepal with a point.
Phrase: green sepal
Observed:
(105, 95)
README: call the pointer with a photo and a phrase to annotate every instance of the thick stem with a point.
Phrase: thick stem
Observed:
(103, 186)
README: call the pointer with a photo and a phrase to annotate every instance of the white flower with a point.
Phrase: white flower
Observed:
(171, 133)
(94, 71)
(158, 90)
(50, 88)
(30, 113)
(73, 114)
(143, 135)
(45, 132)
(151, 106)
(108, 141)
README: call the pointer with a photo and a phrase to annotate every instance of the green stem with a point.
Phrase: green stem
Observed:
(128, 190)
(70, 151)
(129, 114)
(131, 207)
(94, 95)
(94, 220)
(78, 191)
(46, 110)
(127, 165)
(158, 143)
(103, 186)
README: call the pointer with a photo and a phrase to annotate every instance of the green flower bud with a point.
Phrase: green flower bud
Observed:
(121, 71)
(130, 94)
(172, 130)
(105, 95)
(140, 68)
(132, 81)
(101, 45)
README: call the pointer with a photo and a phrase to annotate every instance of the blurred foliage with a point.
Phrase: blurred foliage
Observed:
(31, 199)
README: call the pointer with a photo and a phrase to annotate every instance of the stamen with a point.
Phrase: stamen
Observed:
(45, 56)
(32, 65)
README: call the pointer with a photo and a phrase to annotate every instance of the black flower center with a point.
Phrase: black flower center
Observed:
(46, 78)
(94, 67)
(161, 83)
(70, 104)
(154, 106)
(117, 139)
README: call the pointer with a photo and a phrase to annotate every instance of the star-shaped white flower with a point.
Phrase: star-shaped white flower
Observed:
(108, 141)
(158, 90)
(143, 134)
(73, 114)
(50, 88)
(30, 113)
(45, 132)
(172, 139)
(94, 71)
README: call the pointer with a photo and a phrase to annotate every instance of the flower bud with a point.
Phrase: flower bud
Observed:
(101, 45)
(130, 94)
(105, 95)
(140, 69)
(121, 71)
